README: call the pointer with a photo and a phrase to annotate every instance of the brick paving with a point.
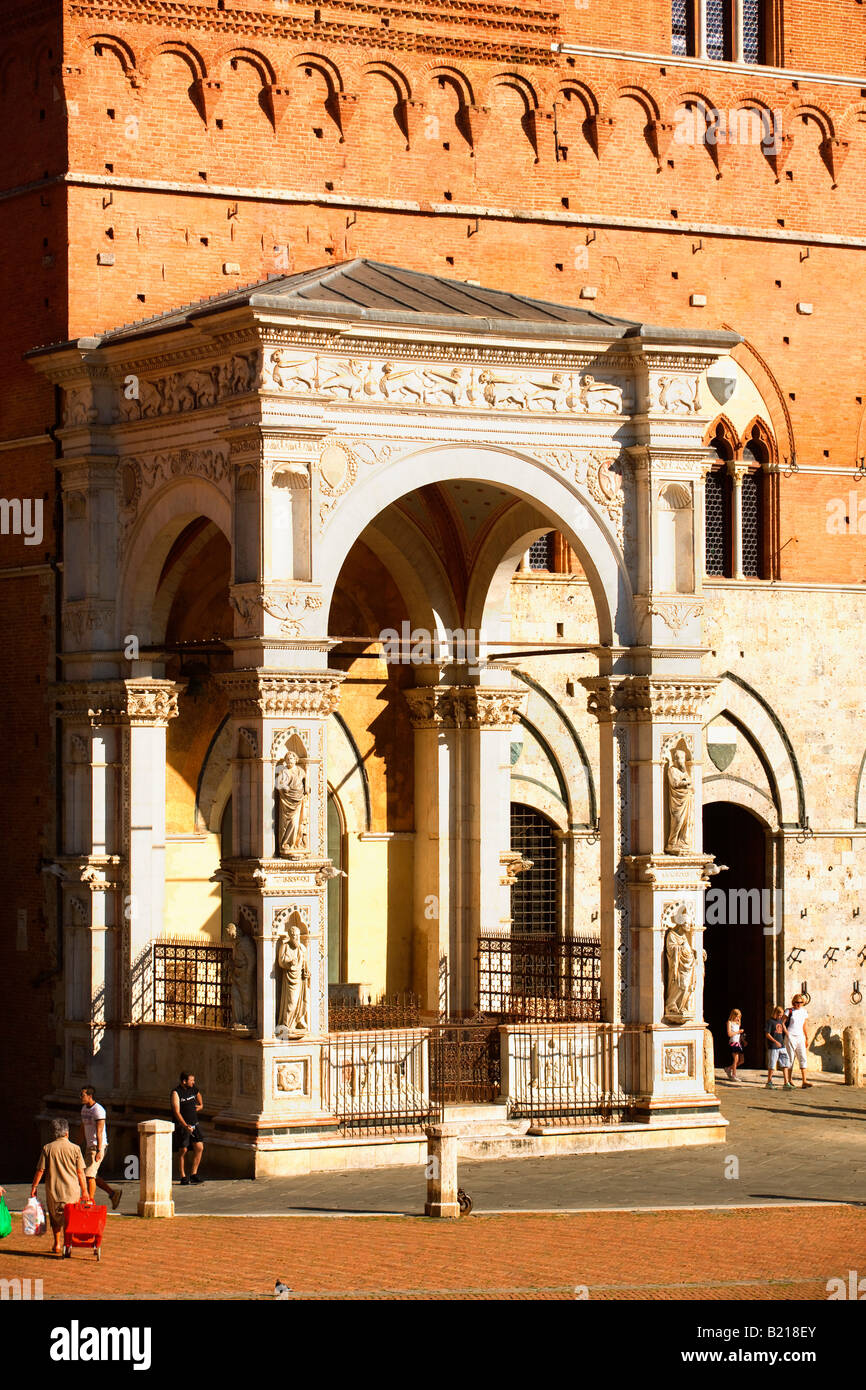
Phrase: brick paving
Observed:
(770, 1253)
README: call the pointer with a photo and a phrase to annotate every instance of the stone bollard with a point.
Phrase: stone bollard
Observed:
(854, 1060)
(154, 1142)
(442, 1171)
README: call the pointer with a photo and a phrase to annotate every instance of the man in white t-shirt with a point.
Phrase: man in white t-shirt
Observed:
(798, 1039)
(94, 1142)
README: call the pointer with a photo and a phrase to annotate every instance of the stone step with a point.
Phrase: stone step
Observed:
(493, 1112)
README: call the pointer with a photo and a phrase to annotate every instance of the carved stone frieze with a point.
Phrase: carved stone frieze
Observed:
(273, 694)
(675, 613)
(191, 389)
(80, 618)
(440, 385)
(288, 607)
(676, 395)
(457, 707)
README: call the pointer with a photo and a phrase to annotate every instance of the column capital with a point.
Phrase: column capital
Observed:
(137, 702)
(641, 699)
(259, 693)
(464, 706)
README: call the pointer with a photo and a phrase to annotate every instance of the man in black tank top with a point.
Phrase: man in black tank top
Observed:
(186, 1102)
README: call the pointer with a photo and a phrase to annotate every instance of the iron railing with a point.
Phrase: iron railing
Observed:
(378, 1082)
(465, 1065)
(189, 985)
(574, 1076)
(539, 977)
(398, 1011)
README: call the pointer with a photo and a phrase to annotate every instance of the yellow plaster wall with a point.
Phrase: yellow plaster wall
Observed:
(380, 894)
(192, 903)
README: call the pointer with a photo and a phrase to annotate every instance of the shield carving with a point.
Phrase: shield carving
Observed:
(721, 745)
(722, 380)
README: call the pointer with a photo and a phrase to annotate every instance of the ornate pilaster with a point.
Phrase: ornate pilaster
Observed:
(654, 875)
(462, 828)
(112, 853)
(277, 877)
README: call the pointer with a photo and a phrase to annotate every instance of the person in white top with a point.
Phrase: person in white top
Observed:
(798, 1038)
(94, 1142)
(736, 1040)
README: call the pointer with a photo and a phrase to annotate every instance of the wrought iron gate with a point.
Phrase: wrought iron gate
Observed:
(465, 1064)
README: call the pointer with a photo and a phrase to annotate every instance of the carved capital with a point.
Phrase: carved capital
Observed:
(135, 702)
(274, 694)
(634, 699)
(459, 706)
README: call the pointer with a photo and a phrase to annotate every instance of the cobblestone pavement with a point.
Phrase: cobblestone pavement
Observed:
(760, 1254)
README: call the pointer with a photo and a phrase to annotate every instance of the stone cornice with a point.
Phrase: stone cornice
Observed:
(274, 694)
(458, 706)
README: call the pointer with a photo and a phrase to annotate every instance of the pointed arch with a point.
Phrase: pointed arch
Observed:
(760, 724)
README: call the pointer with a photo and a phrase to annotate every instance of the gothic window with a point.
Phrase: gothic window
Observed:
(755, 455)
(721, 30)
(535, 892)
(682, 41)
(541, 553)
(718, 504)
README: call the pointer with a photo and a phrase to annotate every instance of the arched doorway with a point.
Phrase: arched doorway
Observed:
(737, 911)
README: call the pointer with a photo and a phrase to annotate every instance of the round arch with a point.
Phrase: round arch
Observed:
(170, 512)
(555, 498)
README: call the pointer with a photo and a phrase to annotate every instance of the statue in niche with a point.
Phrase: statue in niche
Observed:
(681, 802)
(243, 977)
(293, 1016)
(292, 794)
(682, 968)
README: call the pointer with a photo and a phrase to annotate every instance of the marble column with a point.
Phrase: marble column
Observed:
(462, 830)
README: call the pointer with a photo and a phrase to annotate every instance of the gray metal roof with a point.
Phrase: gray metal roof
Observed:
(377, 293)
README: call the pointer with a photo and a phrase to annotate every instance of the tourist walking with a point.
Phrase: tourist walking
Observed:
(798, 1038)
(63, 1166)
(776, 1035)
(186, 1102)
(93, 1138)
(736, 1039)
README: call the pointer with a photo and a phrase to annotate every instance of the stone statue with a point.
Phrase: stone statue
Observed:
(293, 1017)
(292, 794)
(681, 803)
(682, 968)
(243, 977)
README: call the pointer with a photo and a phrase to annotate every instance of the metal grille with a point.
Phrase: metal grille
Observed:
(575, 1076)
(716, 523)
(465, 1065)
(378, 1083)
(680, 27)
(541, 553)
(543, 978)
(716, 46)
(535, 892)
(191, 985)
(752, 528)
(752, 31)
(399, 1011)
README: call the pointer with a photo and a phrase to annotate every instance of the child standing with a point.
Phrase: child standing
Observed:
(736, 1038)
(777, 1055)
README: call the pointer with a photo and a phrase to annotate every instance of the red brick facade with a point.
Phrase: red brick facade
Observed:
(156, 153)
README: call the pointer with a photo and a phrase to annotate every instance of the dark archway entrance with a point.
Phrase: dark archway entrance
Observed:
(735, 942)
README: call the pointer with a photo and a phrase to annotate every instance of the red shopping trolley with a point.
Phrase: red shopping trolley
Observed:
(83, 1226)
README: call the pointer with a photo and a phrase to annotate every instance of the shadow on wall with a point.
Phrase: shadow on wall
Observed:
(826, 1047)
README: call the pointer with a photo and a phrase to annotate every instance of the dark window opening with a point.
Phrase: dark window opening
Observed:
(718, 524)
(541, 553)
(535, 892)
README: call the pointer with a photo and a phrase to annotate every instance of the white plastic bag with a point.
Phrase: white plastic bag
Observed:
(33, 1218)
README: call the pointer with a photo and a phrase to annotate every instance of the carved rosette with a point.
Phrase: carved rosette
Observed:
(459, 707)
(119, 702)
(637, 698)
(279, 694)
